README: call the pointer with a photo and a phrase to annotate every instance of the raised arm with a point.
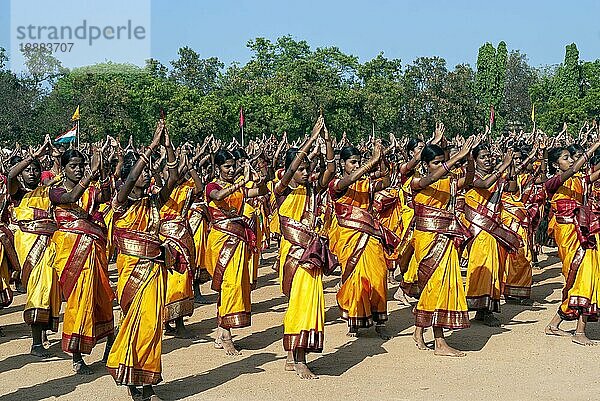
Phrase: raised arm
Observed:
(139, 166)
(13, 174)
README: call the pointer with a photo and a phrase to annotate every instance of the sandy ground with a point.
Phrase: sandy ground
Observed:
(515, 361)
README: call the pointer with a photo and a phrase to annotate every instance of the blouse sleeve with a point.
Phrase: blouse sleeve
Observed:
(211, 186)
(553, 184)
(55, 193)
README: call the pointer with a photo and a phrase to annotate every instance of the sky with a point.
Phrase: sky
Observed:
(406, 30)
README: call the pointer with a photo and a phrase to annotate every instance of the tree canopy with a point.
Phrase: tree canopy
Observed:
(284, 86)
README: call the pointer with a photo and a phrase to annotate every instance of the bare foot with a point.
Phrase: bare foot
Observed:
(581, 339)
(555, 331)
(289, 363)
(303, 371)
(446, 350)
(352, 332)
(227, 344)
(420, 343)
(81, 368)
(40, 352)
(380, 329)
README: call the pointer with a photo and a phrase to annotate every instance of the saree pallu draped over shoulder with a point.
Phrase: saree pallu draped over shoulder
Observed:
(439, 237)
(81, 263)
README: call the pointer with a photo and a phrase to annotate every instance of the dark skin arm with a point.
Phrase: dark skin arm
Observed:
(351, 178)
(13, 175)
(139, 166)
(172, 175)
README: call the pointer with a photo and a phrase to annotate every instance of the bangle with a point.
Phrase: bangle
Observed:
(173, 164)
(445, 166)
(83, 186)
(301, 151)
(330, 161)
(145, 158)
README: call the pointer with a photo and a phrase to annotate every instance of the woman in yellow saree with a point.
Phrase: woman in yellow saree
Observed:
(438, 238)
(408, 171)
(176, 230)
(32, 213)
(518, 271)
(491, 239)
(229, 247)
(359, 242)
(79, 246)
(304, 255)
(575, 230)
(142, 262)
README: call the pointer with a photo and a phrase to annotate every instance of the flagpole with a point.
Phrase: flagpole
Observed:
(242, 135)
(77, 133)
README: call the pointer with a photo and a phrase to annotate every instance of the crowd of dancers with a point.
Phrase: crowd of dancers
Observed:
(421, 210)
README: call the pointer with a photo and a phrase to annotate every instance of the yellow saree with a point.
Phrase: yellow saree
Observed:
(80, 261)
(437, 239)
(357, 239)
(302, 277)
(36, 226)
(577, 250)
(135, 357)
(488, 248)
(175, 230)
(228, 252)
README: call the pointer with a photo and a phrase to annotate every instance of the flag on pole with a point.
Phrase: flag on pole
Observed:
(533, 112)
(492, 116)
(68, 136)
(75, 115)
(241, 117)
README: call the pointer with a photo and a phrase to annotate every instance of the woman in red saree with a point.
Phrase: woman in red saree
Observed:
(438, 239)
(79, 246)
(575, 230)
(359, 241)
(229, 247)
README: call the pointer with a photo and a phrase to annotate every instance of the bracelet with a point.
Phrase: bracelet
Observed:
(384, 173)
(330, 161)
(173, 164)
(301, 151)
(445, 166)
(83, 186)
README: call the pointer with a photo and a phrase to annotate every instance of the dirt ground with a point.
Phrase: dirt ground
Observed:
(515, 361)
